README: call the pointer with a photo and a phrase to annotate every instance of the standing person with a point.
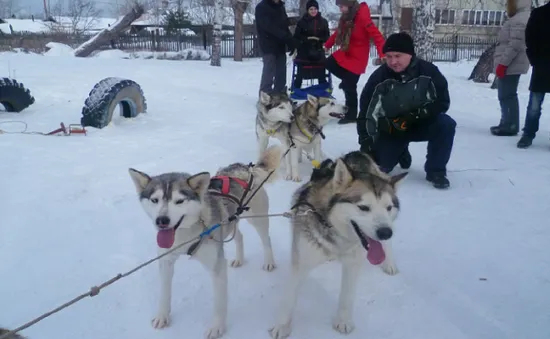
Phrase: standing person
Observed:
(512, 62)
(311, 33)
(274, 37)
(406, 100)
(538, 52)
(353, 35)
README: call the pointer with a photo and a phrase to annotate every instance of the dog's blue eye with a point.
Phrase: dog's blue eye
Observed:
(154, 200)
(180, 201)
(364, 208)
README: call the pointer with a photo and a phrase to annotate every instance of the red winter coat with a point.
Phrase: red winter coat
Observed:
(356, 58)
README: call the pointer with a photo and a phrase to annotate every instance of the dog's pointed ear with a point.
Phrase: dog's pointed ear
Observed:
(342, 177)
(199, 182)
(265, 99)
(396, 180)
(140, 179)
(313, 100)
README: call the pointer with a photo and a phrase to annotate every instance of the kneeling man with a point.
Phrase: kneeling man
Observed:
(404, 100)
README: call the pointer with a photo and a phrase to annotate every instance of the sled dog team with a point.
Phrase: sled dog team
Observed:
(347, 206)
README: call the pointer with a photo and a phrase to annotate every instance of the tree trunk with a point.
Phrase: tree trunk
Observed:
(423, 29)
(108, 34)
(302, 9)
(484, 66)
(239, 7)
(216, 59)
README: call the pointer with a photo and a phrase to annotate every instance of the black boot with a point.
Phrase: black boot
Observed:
(504, 131)
(405, 160)
(525, 141)
(438, 180)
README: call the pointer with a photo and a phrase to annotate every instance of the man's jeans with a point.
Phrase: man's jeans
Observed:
(509, 104)
(534, 110)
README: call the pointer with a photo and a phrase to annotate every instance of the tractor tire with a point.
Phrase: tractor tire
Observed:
(104, 98)
(14, 96)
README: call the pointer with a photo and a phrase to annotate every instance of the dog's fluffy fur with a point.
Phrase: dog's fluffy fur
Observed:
(300, 126)
(347, 206)
(181, 206)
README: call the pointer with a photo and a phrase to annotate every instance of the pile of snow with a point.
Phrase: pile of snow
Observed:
(58, 49)
(186, 54)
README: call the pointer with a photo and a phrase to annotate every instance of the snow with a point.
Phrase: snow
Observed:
(39, 26)
(58, 49)
(474, 260)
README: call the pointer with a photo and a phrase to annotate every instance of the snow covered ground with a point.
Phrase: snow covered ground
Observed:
(474, 260)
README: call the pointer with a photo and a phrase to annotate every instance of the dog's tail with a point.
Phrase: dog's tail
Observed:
(269, 162)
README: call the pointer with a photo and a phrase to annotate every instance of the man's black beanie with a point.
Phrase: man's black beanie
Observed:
(312, 3)
(399, 42)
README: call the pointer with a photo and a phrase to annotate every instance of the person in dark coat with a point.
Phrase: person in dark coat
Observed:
(274, 37)
(311, 33)
(537, 41)
(405, 100)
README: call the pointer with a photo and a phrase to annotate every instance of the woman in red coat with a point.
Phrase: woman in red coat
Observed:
(355, 30)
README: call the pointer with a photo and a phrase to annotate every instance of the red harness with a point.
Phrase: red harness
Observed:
(226, 183)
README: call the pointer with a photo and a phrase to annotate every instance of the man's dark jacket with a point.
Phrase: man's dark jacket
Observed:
(311, 26)
(415, 96)
(537, 40)
(272, 26)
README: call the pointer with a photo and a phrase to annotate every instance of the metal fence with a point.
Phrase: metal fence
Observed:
(450, 48)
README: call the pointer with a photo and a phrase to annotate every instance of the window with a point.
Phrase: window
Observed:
(482, 18)
(444, 16)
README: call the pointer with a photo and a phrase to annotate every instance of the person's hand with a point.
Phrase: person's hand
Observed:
(501, 71)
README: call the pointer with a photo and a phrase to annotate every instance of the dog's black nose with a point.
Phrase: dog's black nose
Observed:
(163, 221)
(384, 233)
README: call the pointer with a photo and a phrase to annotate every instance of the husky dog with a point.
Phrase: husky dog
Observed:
(348, 206)
(4, 331)
(306, 131)
(274, 113)
(182, 206)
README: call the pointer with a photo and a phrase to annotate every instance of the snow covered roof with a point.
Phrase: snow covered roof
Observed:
(39, 26)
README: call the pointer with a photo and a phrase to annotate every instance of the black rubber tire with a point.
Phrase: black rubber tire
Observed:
(14, 96)
(106, 96)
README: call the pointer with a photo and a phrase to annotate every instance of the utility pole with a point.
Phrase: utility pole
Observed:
(45, 10)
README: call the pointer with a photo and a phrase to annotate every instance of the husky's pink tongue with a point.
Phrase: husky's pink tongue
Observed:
(375, 254)
(165, 239)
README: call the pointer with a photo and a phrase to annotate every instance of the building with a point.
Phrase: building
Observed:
(470, 18)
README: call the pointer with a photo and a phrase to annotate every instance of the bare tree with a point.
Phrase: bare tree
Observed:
(8, 8)
(216, 59)
(203, 12)
(83, 15)
(423, 28)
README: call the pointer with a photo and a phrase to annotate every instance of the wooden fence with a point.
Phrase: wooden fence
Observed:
(451, 48)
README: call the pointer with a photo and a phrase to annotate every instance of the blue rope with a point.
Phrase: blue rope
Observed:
(209, 230)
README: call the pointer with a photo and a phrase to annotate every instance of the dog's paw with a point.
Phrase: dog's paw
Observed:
(236, 263)
(288, 177)
(161, 321)
(296, 178)
(389, 268)
(270, 266)
(343, 326)
(280, 331)
(215, 332)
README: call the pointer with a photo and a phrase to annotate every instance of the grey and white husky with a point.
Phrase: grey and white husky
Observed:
(300, 126)
(348, 206)
(306, 131)
(182, 206)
